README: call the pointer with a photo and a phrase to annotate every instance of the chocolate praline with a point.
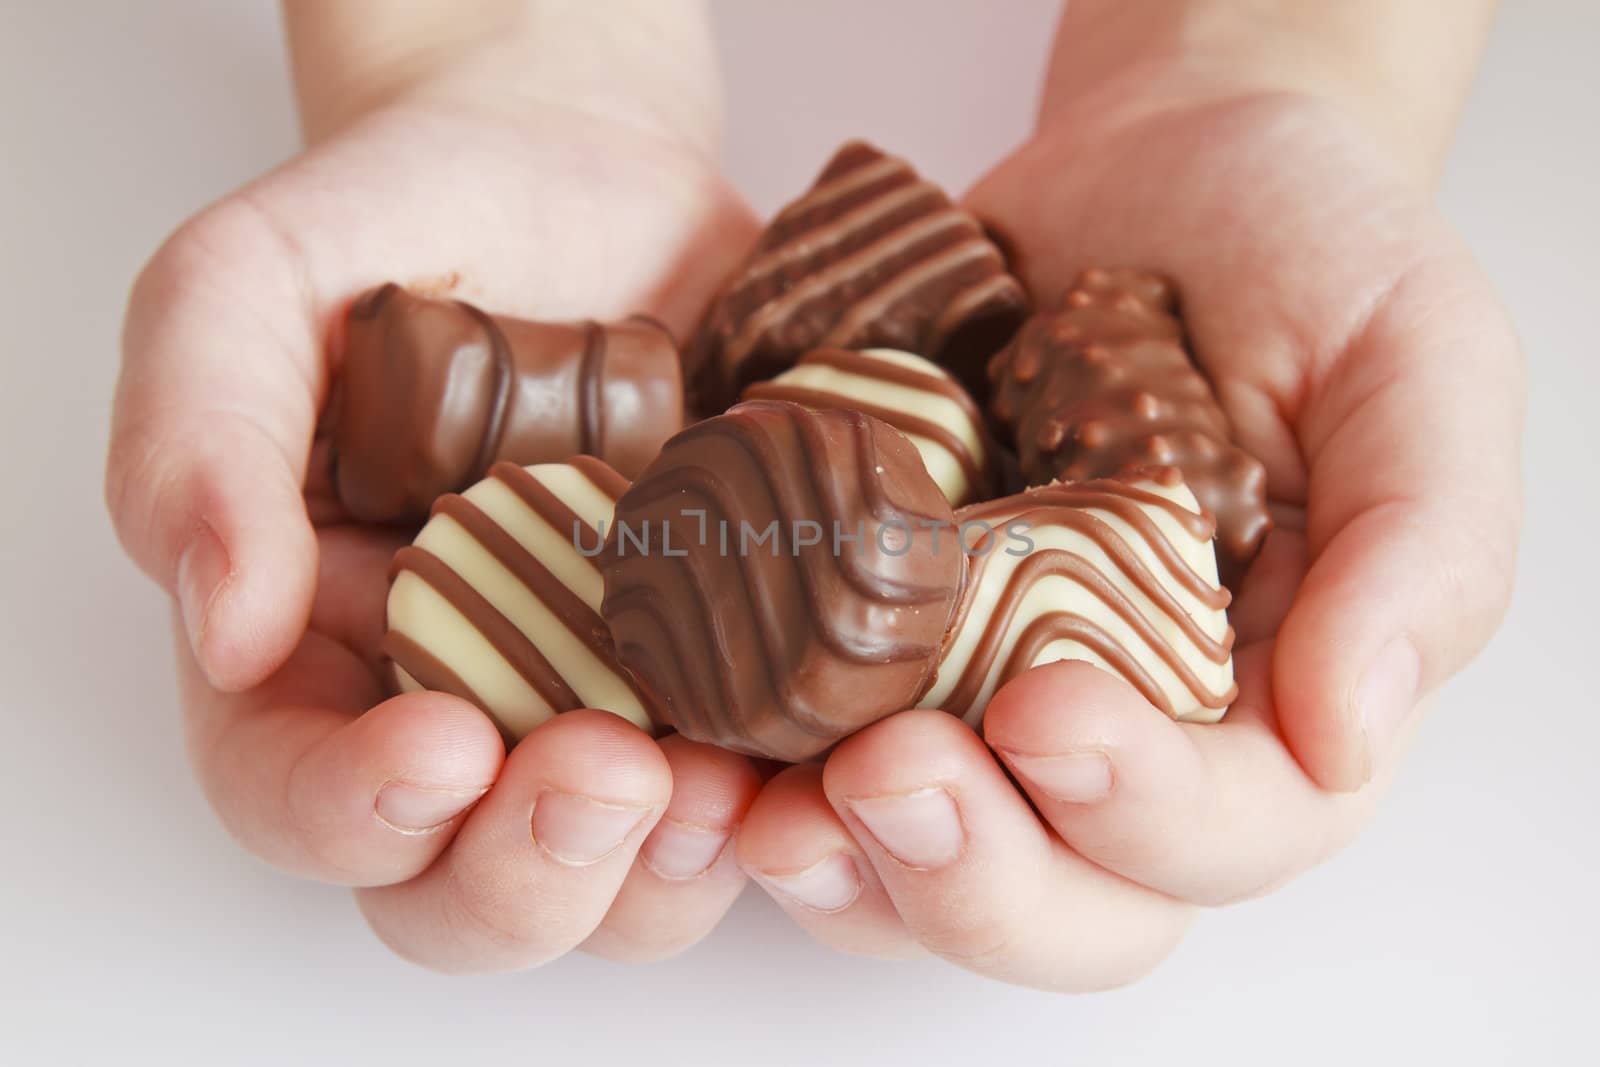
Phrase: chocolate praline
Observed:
(431, 393)
(780, 647)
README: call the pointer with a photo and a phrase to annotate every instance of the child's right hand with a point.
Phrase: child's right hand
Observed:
(467, 859)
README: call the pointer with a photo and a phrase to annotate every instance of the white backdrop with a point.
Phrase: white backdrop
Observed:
(1462, 927)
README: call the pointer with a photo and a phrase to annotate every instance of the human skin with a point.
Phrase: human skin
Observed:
(1276, 160)
(538, 160)
(1276, 163)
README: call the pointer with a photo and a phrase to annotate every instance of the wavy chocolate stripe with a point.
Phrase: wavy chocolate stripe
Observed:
(1149, 608)
(781, 648)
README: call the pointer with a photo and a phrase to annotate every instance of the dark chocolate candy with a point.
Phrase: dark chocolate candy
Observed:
(1103, 385)
(872, 256)
(431, 393)
(735, 600)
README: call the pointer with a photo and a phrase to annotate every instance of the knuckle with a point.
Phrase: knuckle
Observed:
(1476, 574)
(228, 233)
(132, 466)
(154, 437)
(143, 477)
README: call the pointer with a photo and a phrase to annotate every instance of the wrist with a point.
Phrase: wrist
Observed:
(640, 62)
(1400, 68)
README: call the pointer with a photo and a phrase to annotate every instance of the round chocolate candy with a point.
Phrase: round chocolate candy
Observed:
(780, 577)
(498, 599)
(910, 393)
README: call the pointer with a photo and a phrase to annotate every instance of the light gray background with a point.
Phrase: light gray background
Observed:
(1460, 928)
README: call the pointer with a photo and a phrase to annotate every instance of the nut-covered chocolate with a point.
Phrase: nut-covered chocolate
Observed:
(1118, 572)
(872, 256)
(1104, 384)
(781, 577)
(431, 393)
(498, 599)
(908, 392)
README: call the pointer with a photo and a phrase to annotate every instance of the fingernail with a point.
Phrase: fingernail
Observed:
(922, 829)
(831, 884)
(578, 831)
(201, 570)
(1386, 694)
(415, 809)
(679, 850)
(1072, 778)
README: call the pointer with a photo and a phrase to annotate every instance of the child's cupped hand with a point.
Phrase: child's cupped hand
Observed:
(588, 833)
(1363, 357)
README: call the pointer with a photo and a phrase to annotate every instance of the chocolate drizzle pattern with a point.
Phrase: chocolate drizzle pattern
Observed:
(909, 393)
(497, 603)
(780, 647)
(433, 392)
(1103, 384)
(871, 256)
(1121, 573)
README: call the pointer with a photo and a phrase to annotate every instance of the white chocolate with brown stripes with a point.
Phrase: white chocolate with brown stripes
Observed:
(912, 394)
(1119, 572)
(497, 600)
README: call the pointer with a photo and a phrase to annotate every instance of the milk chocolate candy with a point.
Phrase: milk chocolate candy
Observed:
(1104, 384)
(1119, 572)
(498, 599)
(780, 577)
(872, 256)
(432, 392)
(909, 393)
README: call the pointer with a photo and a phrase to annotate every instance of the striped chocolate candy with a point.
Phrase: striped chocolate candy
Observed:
(1119, 572)
(776, 579)
(909, 393)
(872, 255)
(498, 599)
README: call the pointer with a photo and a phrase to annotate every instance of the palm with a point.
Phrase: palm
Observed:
(561, 215)
(1279, 223)
(592, 218)
(1312, 276)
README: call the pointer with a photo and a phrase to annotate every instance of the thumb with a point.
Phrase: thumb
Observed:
(1414, 503)
(211, 427)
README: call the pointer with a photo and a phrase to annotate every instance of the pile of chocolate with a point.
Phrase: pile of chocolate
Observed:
(822, 526)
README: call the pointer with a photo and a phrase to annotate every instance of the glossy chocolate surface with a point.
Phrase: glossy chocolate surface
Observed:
(433, 392)
(872, 256)
(781, 647)
(1104, 384)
